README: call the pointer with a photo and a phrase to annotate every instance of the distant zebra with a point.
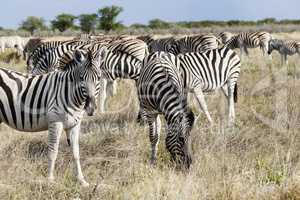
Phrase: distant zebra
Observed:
(264, 38)
(16, 42)
(196, 43)
(243, 41)
(284, 48)
(250, 40)
(54, 102)
(83, 36)
(225, 36)
(208, 71)
(161, 91)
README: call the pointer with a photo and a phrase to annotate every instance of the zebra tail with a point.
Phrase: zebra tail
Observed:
(235, 93)
(69, 141)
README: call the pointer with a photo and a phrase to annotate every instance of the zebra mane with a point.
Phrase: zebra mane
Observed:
(72, 64)
(169, 72)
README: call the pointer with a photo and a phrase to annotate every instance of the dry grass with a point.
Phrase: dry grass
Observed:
(258, 159)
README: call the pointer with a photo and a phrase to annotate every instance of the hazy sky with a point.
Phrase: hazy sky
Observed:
(12, 12)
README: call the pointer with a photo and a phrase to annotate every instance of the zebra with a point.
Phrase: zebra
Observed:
(250, 40)
(119, 65)
(196, 43)
(161, 91)
(123, 61)
(264, 39)
(284, 48)
(225, 37)
(243, 41)
(53, 102)
(208, 71)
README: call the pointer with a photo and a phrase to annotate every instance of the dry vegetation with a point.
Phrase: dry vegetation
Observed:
(258, 159)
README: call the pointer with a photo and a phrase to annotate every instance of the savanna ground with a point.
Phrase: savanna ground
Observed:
(258, 159)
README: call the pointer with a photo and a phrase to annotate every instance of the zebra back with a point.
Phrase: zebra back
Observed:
(197, 43)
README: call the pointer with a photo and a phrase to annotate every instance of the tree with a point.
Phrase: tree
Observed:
(108, 17)
(158, 24)
(63, 22)
(32, 24)
(88, 22)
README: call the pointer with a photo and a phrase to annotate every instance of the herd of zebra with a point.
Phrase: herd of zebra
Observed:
(65, 77)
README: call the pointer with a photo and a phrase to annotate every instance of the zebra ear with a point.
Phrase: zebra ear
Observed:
(79, 56)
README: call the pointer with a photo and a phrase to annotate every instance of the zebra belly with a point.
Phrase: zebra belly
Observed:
(40, 125)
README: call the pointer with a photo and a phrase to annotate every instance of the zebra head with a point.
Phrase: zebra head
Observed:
(177, 140)
(274, 44)
(88, 73)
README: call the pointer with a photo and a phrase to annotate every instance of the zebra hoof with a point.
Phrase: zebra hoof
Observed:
(51, 179)
(83, 183)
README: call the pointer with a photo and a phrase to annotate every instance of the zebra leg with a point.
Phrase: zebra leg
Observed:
(154, 133)
(230, 99)
(286, 62)
(102, 95)
(74, 133)
(54, 133)
(201, 101)
(246, 51)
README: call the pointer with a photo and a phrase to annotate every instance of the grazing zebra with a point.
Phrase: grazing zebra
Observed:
(161, 91)
(53, 102)
(243, 41)
(208, 71)
(225, 37)
(264, 39)
(197, 43)
(284, 48)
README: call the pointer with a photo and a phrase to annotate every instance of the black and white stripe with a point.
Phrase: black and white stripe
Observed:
(161, 44)
(196, 43)
(246, 40)
(123, 61)
(225, 37)
(53, 102)
(284, 48)
(46, 47)
(208, 71)
(53, 58)
(161, 91)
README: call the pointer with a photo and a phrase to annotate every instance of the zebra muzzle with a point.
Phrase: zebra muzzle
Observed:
(90, 106)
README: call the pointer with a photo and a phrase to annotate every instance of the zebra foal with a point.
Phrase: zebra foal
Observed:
(284, 48)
